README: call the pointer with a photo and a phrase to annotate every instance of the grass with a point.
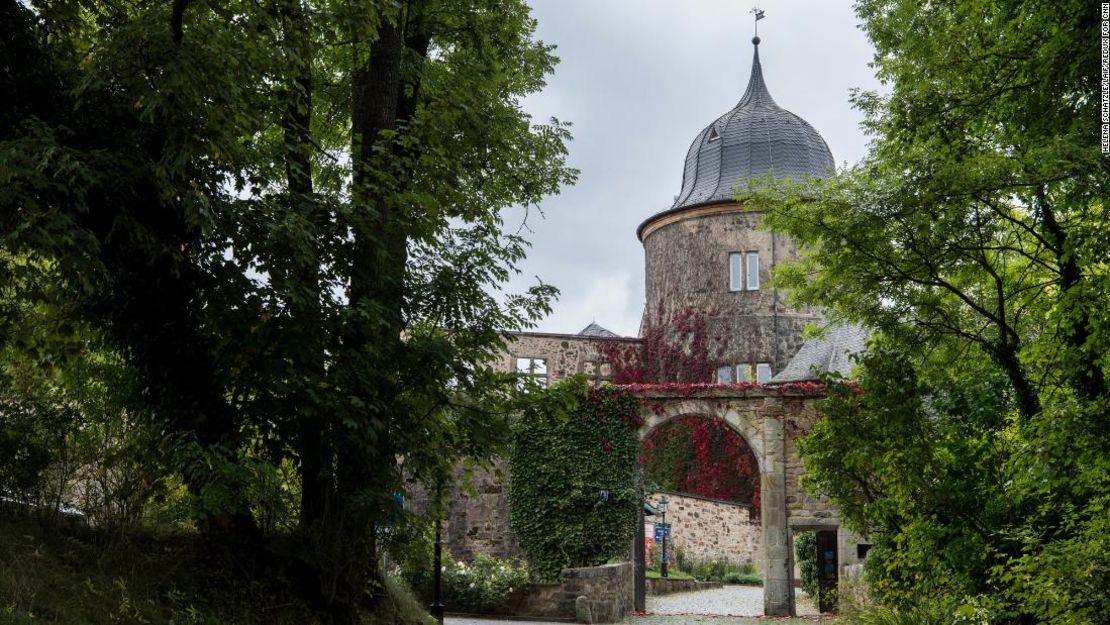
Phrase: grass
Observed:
(671, 574)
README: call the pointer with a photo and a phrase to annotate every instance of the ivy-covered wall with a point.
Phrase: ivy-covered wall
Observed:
(574, 487)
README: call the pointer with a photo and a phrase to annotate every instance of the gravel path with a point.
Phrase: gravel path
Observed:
(661, 619)
(731, 600)
(658, 619)
(706, 607)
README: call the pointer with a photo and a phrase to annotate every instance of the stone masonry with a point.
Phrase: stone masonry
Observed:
(770, 419)
(710, 529)
(604, 592)
(476, 514)
(565, 355)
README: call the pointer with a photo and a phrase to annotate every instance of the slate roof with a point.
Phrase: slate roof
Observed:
(595, 330)
(829, 353)
(756, 138)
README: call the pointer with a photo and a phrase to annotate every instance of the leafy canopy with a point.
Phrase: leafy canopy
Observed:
(972, 240)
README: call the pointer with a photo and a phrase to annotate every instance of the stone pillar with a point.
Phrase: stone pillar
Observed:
(776, 533)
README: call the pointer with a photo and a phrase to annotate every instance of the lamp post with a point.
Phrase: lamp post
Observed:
(663, 555)
(437, 558)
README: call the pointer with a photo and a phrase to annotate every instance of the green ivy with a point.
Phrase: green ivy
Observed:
(805, 550)
(569, 442)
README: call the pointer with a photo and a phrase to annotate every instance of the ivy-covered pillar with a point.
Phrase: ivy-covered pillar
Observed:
(776, 533)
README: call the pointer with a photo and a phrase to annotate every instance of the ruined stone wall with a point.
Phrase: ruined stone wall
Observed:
(475, 522)
(565, 354)
(709, 529)
(687, 266)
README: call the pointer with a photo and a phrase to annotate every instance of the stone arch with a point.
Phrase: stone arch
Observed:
(757, 415)
(743, 422)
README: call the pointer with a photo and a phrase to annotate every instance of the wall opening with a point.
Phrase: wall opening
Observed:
(710, 477)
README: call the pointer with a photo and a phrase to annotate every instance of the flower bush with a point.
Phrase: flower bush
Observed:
(481, 585)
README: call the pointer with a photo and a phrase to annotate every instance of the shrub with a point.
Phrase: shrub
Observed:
(716, 569)
(747, 579)
(481, 585)
(805, 550)
(924, 613)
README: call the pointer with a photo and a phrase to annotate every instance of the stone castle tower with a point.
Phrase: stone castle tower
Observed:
(707, 253)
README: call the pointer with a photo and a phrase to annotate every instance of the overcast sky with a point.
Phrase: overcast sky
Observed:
(639, 79)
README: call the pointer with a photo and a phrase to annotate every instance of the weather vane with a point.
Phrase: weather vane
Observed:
(759, 14)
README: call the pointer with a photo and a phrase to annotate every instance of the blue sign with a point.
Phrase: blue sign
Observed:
(660, 530)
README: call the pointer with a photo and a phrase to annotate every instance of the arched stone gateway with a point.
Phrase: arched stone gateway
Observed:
(770, 419)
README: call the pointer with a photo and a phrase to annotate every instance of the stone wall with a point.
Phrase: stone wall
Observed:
(565, 354)
(608, 592)
(660, 586)
(687, 265)
(804, 508)
(709, 529)
(476, 518)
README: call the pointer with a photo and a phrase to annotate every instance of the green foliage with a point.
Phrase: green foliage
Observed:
(682, 566)
(482, 585)
(82, 576)
(263, 267)
(654, 573)
(805, 554)
(569, 442)
(924, 613)
(472, 587)
(972, 241)
(746, 579)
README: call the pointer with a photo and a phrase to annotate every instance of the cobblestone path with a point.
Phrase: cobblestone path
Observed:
(731, 600)
(658, 619)
(738, 605)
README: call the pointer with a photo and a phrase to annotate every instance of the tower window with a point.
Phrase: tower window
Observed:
(743, 271)
(753, 271)
(763, 373)
(743, 373)
(735, 271)
(724, 375)
(713, 134)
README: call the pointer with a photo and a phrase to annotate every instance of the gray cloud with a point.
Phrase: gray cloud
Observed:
(639, 79)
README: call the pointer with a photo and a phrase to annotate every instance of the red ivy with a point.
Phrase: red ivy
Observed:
(674, 349)
(700, 456)
(806, 389)
(703, 457)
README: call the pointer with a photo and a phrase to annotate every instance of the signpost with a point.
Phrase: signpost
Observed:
(661, 530)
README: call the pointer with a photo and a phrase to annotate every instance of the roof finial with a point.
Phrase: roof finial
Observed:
(759, 14)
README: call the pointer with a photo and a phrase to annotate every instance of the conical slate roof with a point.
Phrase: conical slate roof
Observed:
(595, 330)
(756, 138)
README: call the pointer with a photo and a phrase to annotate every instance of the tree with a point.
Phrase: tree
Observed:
(287, 218)
(972, 239)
